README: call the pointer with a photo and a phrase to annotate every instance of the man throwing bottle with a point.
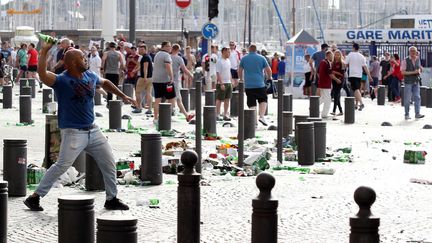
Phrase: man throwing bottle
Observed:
(75, 89)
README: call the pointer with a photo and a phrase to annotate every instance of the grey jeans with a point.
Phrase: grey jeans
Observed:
(73, 142)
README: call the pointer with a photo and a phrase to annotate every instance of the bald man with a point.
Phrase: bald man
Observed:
(75, 89)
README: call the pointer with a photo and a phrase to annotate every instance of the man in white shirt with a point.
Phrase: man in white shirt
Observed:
(223, 86)
(209, 64)
(95, 62)
(235, 62)
(357, 63)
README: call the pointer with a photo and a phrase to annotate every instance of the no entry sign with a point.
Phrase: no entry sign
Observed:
(183, 3)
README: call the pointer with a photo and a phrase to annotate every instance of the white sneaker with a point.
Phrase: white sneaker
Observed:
(263, 121)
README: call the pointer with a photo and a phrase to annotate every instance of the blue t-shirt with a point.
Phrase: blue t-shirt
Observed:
(281, 68)
(253, 65)
(75, 99)
(317, 57)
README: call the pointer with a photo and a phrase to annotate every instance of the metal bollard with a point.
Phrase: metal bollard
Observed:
(198, 123)
(297, 119)
(210, 98)
(25, 109)
(120, 87)
(264, 211)
(164, 122)
(80, 162)
(192, 103)
(210, 120)
(423, 93)
(23, 82)
(46, 98)
(402, 93)
(287, 123)
(381, 95)
(364, 225)
(32, 84)
(306, 143)
(320, 139)
(151, 158)
(26, 90)
(76, 210)
(7, 96)
(3, 210)
(428, 98)
(128, 89)
(249, 126)
(97, 99)
(234, 103)
(241, 120)
(188, 200)
(280, 89)
(314, 106)
(94, 178)
(115, 114)
(185, 98)
(287, 102)
(116, 228)
(349, 108)
(15, 166)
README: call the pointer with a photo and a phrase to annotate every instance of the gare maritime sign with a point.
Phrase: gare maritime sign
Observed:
(379, 35)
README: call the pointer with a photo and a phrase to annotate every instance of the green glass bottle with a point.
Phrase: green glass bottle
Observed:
(48, 39)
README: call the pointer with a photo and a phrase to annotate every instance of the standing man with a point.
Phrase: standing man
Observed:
(131, 63)
(385, 69)
(22, 61)
(357, 64)
(163, 78)
(235, 57)
(33, 62)
(209, 64)
(190, 65)
(75, 89)
(111, 61)
(5, 58)
(326, 75)
(375, 72)
(65, 45)
(94, 60)
(274, 66)
(253, 66)
(223, 86)
(411, 69)
(144, 83)
(315, 61)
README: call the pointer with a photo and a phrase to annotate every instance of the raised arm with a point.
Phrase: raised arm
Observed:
(111, 88)
(45, 76)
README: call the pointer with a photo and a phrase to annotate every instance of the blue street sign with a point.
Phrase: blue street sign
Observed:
(210, 31)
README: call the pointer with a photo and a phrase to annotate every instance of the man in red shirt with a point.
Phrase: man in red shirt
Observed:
(325, 83)
(131, 64)
(32, 62)
(274, 66)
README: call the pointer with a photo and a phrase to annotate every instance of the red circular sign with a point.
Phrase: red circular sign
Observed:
(183, 3)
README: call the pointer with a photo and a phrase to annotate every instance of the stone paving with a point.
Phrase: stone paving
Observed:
(312, 208)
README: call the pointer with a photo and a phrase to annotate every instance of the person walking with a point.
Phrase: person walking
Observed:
(396, 76)
(252, 67)
(274, 66)
(190, 65)
(32, 63)
(223, 86)
(75, 88)
(411, 69)
(22, 61)
(315, 61)
(144, 84)
(338, 70)
(5, 59)
(356, 63)
(94, 61)
(112, 63)
(375, 72)
(326, 76)
(282, 69)
(385, 69)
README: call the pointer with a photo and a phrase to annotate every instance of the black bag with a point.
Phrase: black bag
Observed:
(270, 87)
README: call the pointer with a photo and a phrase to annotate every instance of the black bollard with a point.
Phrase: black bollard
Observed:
(151, 158)
(115, 114)
(185, 98)
(249, 126)
(94, 178)
(128, 89)
(287, 102)
(234, 103)
(76, 210)
(188, 200)
(80, 162)
(32, 84)
(46, 98)
(210, 99)
(3, 210)
(287, 123)
(241, 120)
(402, 93)
(381, 95)
(209, 120)
(15, 166)
(306, 143)
(349, 117)
(198, 123)
(297, 119)
(164, 121)
(192, 104)
(320, 139)
(25, 109)
(23, 83)
(97, 98)
(314, 106)
(428, 98)
(364, 225)
(264, 211)
(313, 119)
(423, 93)
(7, 96)
(116, 228)
(26, 90)
(280, 88)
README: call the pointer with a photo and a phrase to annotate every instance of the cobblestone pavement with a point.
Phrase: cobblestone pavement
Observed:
(312, 208)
